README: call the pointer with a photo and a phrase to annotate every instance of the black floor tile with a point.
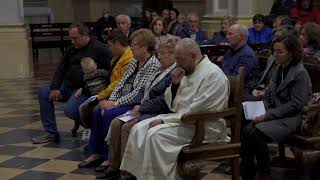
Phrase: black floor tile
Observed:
(22, 162)
(37, 175)
(18, 136)
(74, 155)
(11, 150)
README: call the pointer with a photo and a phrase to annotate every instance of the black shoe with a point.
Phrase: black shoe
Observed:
(101, 168)
(45, 137)
(128, 178)
(109, 174)
(93, 163)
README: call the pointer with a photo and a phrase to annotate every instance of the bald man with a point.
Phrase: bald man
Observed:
(240, 55)
(197, 85)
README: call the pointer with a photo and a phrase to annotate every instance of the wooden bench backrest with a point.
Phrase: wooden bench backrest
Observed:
(235, 101)
(312, 65)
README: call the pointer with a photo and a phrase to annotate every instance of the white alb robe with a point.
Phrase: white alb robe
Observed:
(151, 154)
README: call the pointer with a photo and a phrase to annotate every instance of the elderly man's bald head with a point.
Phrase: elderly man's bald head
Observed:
(237, 35)
(189, 46)
(187, 54)
(240, 28)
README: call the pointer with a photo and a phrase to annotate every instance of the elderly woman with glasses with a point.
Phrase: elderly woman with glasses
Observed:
(152, 104)
(124, 96)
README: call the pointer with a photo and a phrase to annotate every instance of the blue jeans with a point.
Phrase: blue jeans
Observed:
(71, 107)
(99, 129)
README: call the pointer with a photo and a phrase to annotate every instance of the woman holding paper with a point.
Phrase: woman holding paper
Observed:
(288, 92)
(123, 97)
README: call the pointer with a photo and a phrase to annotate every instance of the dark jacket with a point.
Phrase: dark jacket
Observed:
(96, 83)
(200, 35)
(156, 104)
(281, 7)
(285, 100)
(242, 57)
(101, 25)
(70, 69)
(218, 38)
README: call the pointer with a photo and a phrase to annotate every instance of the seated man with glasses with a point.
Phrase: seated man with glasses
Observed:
(192, 30)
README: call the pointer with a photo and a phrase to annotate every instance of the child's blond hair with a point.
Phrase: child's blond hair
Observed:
(88, 64)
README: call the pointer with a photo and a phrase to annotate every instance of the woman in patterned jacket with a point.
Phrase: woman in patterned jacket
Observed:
(152, 104)
(123, 97)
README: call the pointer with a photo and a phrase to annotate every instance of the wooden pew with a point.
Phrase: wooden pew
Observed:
(193, 157)
(44, 36)
(51, 35)
(214, 51)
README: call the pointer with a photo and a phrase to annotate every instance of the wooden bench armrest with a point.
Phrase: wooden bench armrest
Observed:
(311, 109)
(199, 118)
(193, 118)
(305, 139)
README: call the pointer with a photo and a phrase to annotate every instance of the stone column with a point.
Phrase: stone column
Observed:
(16, 61)
(241, 10)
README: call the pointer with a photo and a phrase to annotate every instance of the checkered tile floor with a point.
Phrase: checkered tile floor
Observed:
(20, 120)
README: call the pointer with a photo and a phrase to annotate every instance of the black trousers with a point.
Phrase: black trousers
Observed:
(254, 146)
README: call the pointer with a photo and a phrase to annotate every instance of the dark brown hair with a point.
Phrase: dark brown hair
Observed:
(293, 46)
(165, 27)
(82, 28)
(117, 35)
(312, 30)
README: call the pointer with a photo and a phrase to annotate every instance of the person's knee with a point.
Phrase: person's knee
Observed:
(247, 131)
(71, 111)
(44, 92)
(116, 124)
(108, 113)
(126, 128)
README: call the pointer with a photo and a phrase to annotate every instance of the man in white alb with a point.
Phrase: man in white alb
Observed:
(154, 144)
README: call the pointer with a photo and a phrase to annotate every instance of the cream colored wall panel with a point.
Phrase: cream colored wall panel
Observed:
(15, 52)
(97, 7)
(261, 7)
(81, 9)
(187, 6)
(62, 10)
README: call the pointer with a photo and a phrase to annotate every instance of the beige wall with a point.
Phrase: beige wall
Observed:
(14, 39)
(90, 10)
(81, 9)
(62, 10)
(244, 10)
(187, 6)
(261, 6)
(97, 7)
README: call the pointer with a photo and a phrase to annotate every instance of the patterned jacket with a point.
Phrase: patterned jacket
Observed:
(119, 65)
(150, 67)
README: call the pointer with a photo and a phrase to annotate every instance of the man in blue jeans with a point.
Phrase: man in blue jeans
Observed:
(67, 78)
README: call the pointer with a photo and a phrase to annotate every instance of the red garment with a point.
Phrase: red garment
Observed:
(305, 15)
